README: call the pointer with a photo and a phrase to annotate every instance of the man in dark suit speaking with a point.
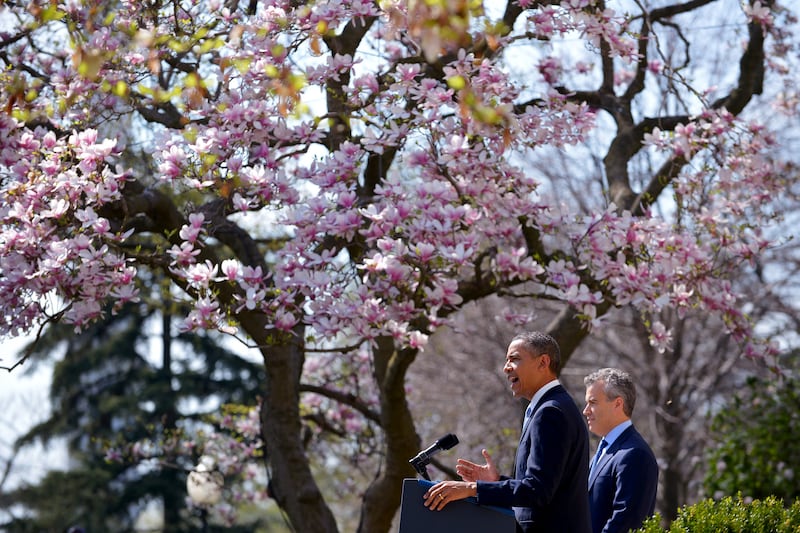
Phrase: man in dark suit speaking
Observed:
(548, 490)
(623, 475)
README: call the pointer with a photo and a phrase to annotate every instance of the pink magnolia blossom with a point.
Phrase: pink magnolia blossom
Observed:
(369, 212)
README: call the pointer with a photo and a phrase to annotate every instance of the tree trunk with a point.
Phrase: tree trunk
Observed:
(569, 330)
(291, 482)
(382, 498)
(670, 423)
(672, 484)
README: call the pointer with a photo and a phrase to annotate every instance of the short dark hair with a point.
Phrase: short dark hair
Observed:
(616, 384)
(538, 343)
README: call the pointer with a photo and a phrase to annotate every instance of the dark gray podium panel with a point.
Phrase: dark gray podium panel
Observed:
(463, 516)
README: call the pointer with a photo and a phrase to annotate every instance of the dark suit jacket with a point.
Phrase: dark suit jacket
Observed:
(622, 489)
(548, 491)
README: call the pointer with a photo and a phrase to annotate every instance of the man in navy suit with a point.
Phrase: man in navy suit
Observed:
(548, 490)
(623, 475)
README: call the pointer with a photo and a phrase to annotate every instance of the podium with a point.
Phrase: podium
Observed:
(461, 516)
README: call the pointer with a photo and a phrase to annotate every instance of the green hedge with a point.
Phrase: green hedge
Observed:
(731, 515)
(757, 451)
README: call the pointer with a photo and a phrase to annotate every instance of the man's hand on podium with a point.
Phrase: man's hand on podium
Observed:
(445, 492)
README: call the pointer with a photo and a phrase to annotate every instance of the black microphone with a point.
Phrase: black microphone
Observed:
(445, 443)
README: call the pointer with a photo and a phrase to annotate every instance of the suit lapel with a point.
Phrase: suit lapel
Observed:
(527, 429)
(610, 451)
(544, 397)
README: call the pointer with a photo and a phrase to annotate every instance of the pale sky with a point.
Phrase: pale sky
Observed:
(23, 403)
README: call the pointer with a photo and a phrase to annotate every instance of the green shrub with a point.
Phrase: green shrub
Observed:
(757, 452)
(731, 515)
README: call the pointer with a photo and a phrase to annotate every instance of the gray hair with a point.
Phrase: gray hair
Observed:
(537, 343)
(616, 384)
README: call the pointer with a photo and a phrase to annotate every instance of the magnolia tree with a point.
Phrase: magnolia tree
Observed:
(336, 178)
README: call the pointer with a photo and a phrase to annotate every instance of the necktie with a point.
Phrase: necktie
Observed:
(597, 455)
(528, 413)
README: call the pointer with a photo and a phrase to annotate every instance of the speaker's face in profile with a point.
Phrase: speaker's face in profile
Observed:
(526, 372)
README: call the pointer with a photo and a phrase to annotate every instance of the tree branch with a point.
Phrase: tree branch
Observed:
(344, 398)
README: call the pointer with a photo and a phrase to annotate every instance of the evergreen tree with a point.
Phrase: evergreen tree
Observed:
(109, 388)
(757, 453)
